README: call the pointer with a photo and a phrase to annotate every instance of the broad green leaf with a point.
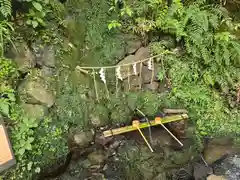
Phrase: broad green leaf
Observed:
(110, 26)
(11, 97)
(29, 22)
(4, 107)
(28, 146)
(21, 151)
(129, 11)
(40, 20)
(30, 140)
(34, 24)
(29, 166)
(37, 5)
(22, 142)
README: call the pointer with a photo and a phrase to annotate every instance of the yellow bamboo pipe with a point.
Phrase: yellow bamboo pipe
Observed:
(126, 129)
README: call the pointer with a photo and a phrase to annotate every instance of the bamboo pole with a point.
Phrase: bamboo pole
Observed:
(135, 124)
(158, 120)
(126, 129)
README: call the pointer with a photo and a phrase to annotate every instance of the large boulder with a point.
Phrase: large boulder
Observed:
(45, 55)
(82, 138)
(38, 88)
(23, 57)
(35, 92)
(152, 86)
(96, 157)
(133, 44)
(48, 57)
(161, 176)
(128, 70)
(147, 74)
(99, 116)
(35, 111)
(228, 168)
(218, 148)
(141, 54)
(201, 171)
(214, 177)
(133, 84)
(168, 41)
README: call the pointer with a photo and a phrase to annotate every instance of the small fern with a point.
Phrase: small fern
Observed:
(5, 8)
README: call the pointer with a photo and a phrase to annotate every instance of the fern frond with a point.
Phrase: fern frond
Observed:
(5, 8)
(226, 56)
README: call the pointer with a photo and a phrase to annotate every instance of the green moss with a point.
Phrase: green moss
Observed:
(8, 68)
(101, 115)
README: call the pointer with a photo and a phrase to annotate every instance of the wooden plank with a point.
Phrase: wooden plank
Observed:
(6, 154)
(126, 129)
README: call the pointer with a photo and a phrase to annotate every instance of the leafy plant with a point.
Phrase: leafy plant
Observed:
(37, 12)
(5, 35)
(210, 63)
(7, 98)
(113, 24)
(23, 135)
(122, 11)
(6, 8)
(8, 68)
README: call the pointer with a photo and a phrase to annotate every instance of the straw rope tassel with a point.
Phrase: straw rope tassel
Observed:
(108, 96)
(140, 76)
(102, 73)
(95, 85)
(129, 85)
(153, 72)
(116, 86)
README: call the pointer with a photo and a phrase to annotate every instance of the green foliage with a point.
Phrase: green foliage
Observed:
(113, 24)
(33, 142)
(207, 39)
(23, 135)
(120, 112)
(6, 8)
(8, 68)
(123, 12)
(210, 64)
(7, 97)
(37, 13)
(5, 35)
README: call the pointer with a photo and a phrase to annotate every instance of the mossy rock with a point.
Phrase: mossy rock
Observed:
(121, 114)
(119, 110)
(37, 90)
(99, 116)
(23, 56)
(149, 103)
(35, 111)
(168, 41)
